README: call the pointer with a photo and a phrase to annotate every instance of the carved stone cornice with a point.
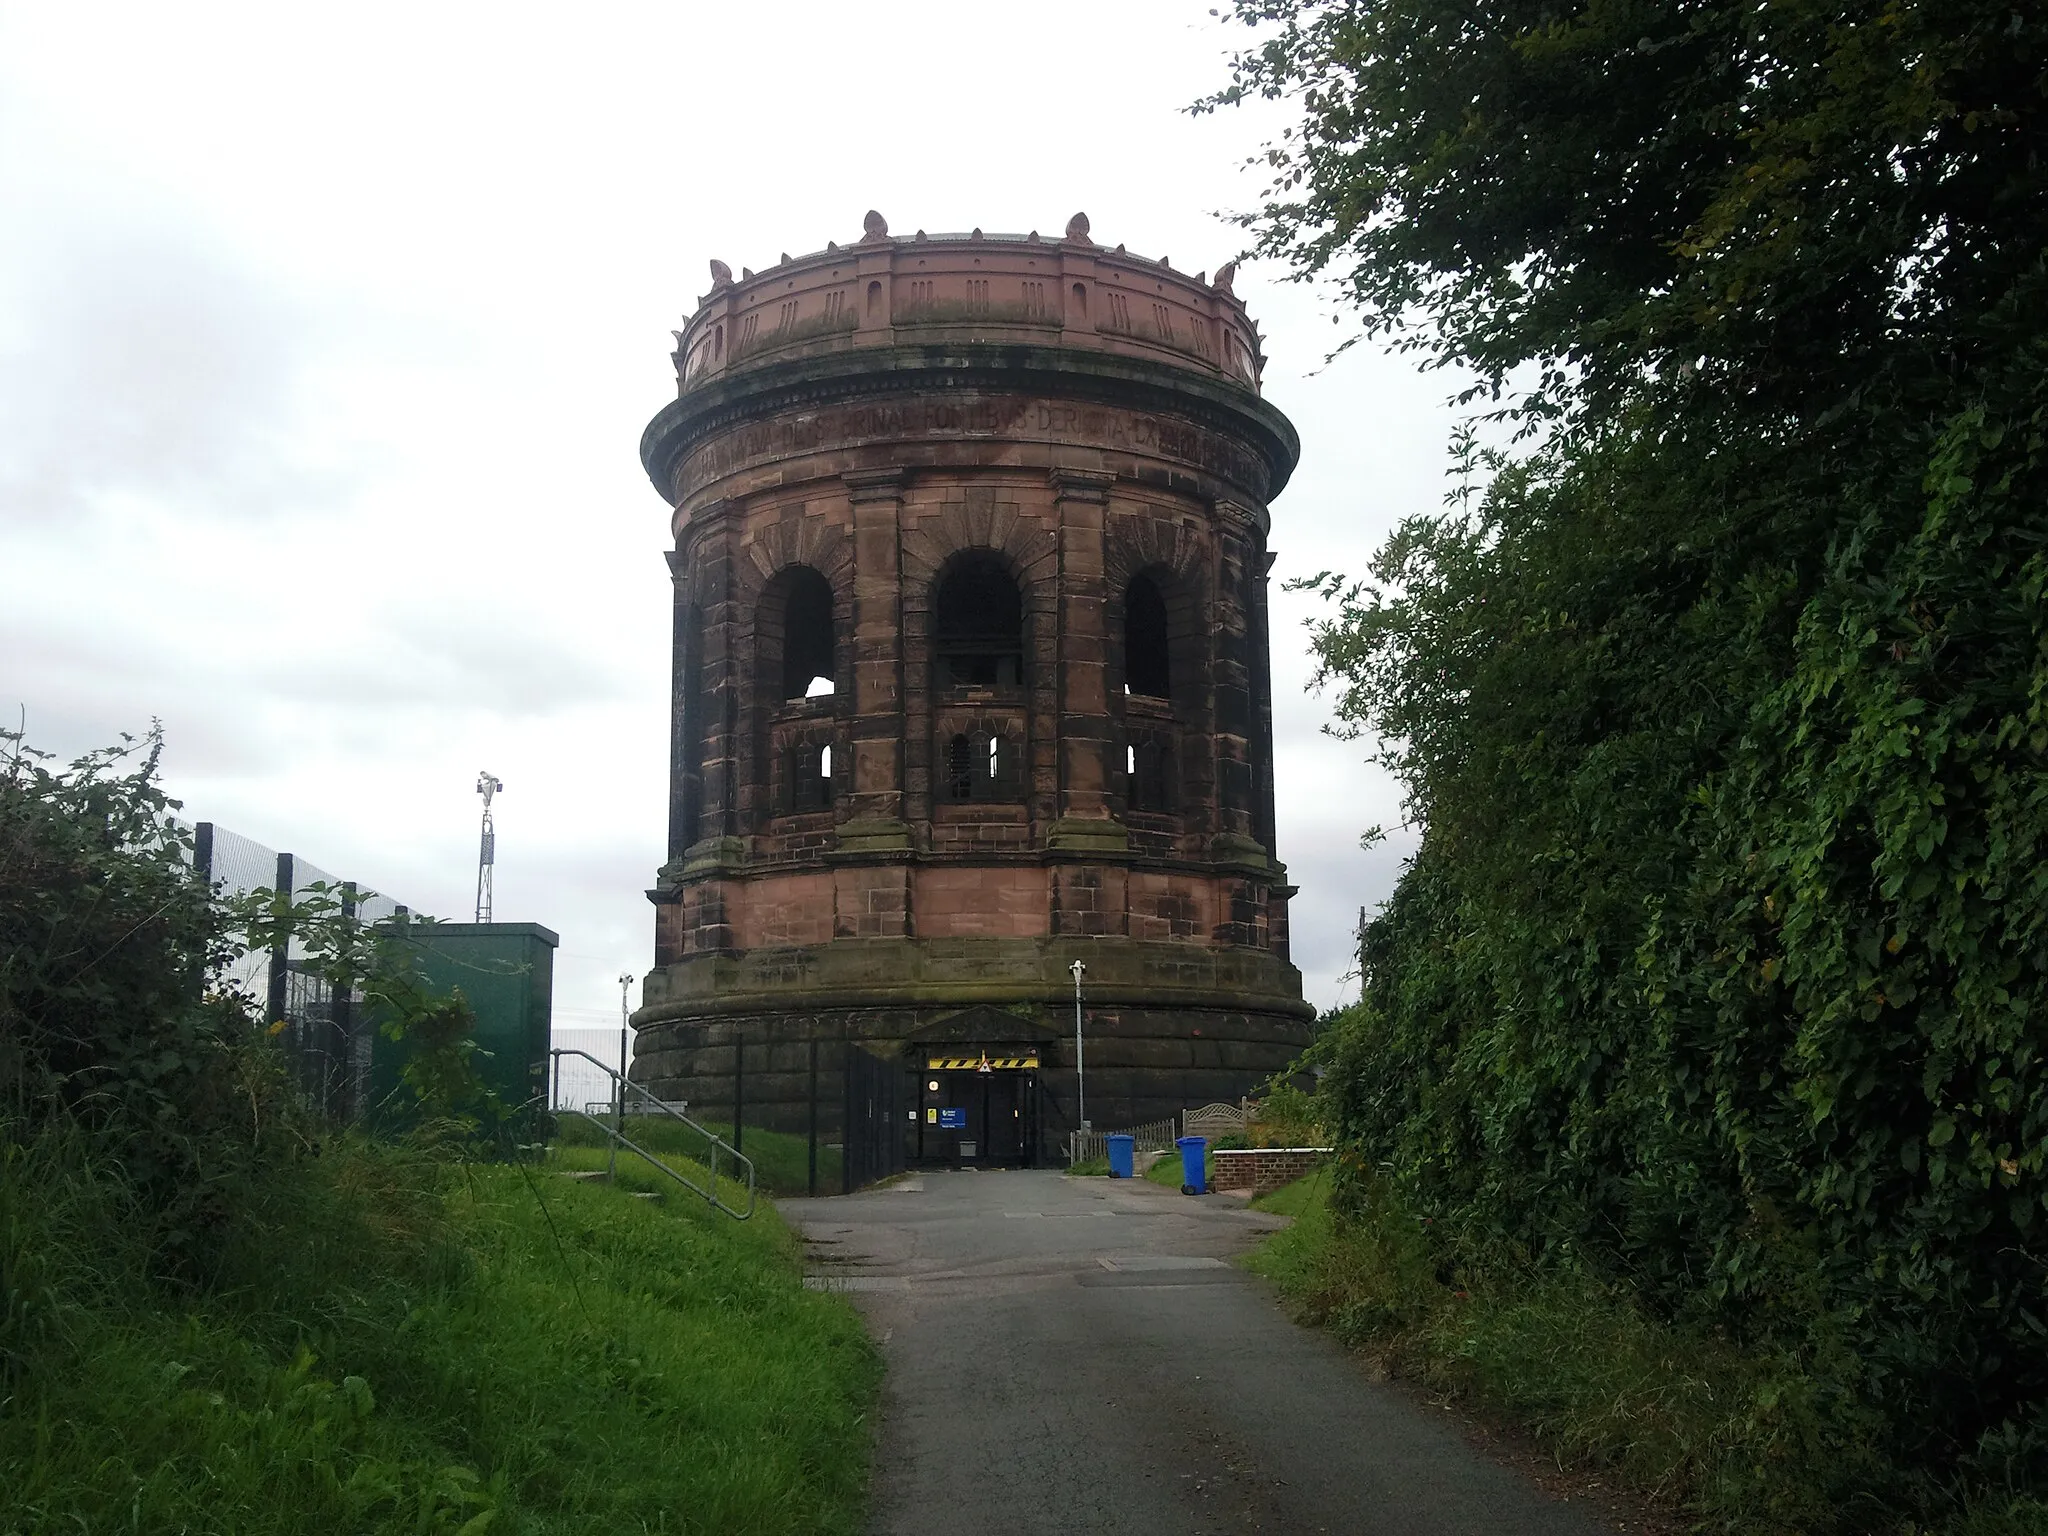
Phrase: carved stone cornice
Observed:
(1081, 484)
(867, 485)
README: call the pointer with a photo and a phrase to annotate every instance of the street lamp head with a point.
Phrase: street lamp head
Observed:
(625, 978)
(1077, 968)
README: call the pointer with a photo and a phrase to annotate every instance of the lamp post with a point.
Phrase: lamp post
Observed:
(1080, 1067)
(619, 1092)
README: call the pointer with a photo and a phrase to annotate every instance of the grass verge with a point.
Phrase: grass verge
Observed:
(1739, 1440)
(396, 1344)
(781, 1161)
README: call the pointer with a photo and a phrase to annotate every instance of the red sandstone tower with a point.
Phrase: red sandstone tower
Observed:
(971, 681)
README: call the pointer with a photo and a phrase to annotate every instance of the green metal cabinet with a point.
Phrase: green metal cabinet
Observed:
(507, 972)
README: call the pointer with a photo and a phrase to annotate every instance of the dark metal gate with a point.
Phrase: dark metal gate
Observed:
(873, 1143)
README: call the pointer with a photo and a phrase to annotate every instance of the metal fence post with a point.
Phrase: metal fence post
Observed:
(739, 1084)
(280, 956)
(811, 1184)
(846, 1117)
(341, 1017)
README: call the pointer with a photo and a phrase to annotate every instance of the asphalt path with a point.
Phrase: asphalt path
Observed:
(1071, 1356)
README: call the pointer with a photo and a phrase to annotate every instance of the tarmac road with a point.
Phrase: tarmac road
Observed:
(1074, 1356)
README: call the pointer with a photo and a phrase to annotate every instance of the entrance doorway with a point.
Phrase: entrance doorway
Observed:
(978, 1108)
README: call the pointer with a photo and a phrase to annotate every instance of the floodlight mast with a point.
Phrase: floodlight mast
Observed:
(487, 785)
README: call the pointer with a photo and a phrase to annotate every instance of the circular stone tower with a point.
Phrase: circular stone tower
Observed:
(971, 682)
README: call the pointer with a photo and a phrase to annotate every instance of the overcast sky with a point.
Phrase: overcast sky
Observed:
(326, 340)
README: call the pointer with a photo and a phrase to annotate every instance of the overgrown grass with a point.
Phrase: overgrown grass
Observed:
(399, 1344)
(781, 1161)
(1743, 1441)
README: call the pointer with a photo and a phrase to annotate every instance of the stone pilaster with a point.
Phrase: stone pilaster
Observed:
(713, 536)
(682, 766)
(1237, 552)
(1085, 731)
(872, 815)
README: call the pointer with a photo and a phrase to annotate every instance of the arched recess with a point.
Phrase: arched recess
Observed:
(798, 672)
(795, 618)
(1162, 662)
(1160, 640)
(1148, 642)
(978, 623)
(795, 645)
(994, 531)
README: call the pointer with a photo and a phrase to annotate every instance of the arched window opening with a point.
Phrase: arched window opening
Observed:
(1148, 789)
(807, 778)
(979, 616)
(718, 343)
(1146, 647)
(983, 767)
(960, 769)
(807, 660)
(1080, 301)
(874, 301)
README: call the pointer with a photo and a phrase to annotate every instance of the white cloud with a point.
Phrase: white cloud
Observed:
(324, 360)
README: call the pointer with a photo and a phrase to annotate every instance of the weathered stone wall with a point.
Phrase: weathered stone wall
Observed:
(1142, 1064)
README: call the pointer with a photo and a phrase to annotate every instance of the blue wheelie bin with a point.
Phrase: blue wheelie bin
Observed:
(1192, 1153)
(1120, 1156)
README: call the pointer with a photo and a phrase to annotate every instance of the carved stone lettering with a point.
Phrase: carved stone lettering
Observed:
(1005, 417)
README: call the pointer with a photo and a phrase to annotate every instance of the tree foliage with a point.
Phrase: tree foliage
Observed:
(116, 1017)
(108, 1017)
(1723, 704)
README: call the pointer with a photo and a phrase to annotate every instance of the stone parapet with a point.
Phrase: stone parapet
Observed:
(886, 290)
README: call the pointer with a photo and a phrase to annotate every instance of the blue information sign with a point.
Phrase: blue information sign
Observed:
(952, 1119)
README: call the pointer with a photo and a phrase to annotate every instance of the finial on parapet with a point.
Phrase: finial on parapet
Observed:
(721, 275)
(873, 227)
(1077, 229)
(1224, 276)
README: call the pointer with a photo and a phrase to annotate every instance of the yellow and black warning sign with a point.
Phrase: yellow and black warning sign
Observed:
(980, 1061)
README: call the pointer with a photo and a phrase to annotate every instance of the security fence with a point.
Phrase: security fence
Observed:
(321, 1028)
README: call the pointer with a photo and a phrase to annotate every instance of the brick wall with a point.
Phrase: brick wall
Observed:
(1258, 1170)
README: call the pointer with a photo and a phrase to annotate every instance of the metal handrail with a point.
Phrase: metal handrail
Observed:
(623, 1085)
